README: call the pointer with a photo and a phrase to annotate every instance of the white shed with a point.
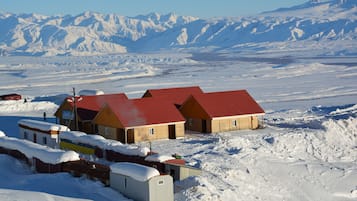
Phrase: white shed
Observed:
(41, 132)
(141, 183)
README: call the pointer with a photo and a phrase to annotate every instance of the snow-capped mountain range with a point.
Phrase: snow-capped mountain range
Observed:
(94, 34)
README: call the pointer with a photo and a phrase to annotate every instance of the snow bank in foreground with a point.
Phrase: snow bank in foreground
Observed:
(103, 143)
(11, 195)
(341, 138)
(48, 187)
(31, 150)
(135, 171)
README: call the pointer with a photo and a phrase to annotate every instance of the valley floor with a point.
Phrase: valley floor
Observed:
(307, 150)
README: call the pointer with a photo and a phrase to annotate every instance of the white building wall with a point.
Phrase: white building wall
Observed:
(41, 138)
(159, 188)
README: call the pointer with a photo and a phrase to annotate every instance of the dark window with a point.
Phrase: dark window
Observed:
(44, 140)
(234, 123)
(151, 131)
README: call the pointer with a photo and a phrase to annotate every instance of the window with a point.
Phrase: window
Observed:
(151, 131)
(106, 131)
(44, 140)
(190, 122)
(67, 114)
(25, 135)
(161, 182)
(234, 123)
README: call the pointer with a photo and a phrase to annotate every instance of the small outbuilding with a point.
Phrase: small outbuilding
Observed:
(10, 97)
(41, 132)
(221, 111)
(141, 183)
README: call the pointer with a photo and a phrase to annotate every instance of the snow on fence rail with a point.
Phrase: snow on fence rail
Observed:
(43, 153)
(103, 143)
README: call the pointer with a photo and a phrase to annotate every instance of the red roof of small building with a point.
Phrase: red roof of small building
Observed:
(145, 111)
(228, 103)
(89, 106)
(10, 97)
(175, 95)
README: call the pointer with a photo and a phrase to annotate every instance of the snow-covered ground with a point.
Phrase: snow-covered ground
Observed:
(307, 150)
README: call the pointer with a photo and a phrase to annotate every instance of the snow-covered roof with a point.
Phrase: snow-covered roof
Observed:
(45, 154)
(42, 125)
(159, 158)
(135, 171)
(103, 143)
(2, 134)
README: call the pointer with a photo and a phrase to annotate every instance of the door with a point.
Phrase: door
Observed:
(130, 136)
(121, 135)
(204, 126)
(172, 131)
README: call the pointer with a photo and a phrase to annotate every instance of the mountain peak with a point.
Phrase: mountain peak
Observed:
(318, 9)
(92, 33)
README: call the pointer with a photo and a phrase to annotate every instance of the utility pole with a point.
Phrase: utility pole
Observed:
(75, 110)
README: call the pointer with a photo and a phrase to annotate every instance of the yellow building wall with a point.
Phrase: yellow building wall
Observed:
(255, 122)
(108, 132)
(226, 124)
(143, 133)
(180, 130)
(77, 148)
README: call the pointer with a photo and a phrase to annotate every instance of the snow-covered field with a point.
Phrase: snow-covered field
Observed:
(307, 150)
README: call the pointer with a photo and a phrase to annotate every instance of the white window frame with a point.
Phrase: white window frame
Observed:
(234, 123)
(151, 131)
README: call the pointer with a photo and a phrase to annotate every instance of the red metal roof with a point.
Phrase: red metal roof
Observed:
(89, 106)
(10, 97)
(228, 103)
(175, 95)
(146, 111)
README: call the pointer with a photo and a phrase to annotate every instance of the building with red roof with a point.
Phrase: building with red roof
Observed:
(143, 119)
(175, 95)
(10, 97)
(78, 113)
(221, 111)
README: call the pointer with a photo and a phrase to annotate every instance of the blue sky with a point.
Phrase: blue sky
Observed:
(199, 8)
